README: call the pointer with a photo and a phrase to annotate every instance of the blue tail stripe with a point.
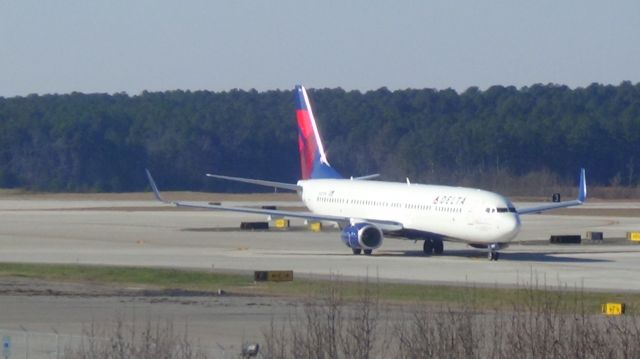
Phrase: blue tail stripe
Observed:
(321, 170)
(300, 104)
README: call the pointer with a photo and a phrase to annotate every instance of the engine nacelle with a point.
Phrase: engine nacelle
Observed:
(362, 236)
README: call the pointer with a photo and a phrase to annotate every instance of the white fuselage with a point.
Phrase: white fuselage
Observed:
(455, 213)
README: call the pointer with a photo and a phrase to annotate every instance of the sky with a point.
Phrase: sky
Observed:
(157, 45)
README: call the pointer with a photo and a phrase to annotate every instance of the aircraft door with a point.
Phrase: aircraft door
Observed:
(478, 215)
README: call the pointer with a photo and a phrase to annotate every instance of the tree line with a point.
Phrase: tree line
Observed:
(100, 142)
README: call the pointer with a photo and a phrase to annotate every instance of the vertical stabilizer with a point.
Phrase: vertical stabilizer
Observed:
(313, 161)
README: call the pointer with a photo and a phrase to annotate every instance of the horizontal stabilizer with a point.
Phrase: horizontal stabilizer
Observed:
(289, 186)
(366, 177)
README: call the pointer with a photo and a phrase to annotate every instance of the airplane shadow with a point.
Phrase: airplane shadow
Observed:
(551, 257)
(548, 257)
(238, 230)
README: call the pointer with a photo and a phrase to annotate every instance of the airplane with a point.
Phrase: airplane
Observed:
(368, 210)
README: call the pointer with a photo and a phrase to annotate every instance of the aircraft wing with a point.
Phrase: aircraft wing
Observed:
(549, 207)
(582, 196)
(269, 212)
(344, 221)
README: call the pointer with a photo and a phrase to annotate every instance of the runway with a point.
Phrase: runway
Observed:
(40, 317)
(145, 233)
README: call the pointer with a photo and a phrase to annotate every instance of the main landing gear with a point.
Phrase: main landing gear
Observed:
(493, 255)
(367, 252)
(433, 246)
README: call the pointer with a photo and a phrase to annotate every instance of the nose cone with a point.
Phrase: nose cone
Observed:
(510, 227)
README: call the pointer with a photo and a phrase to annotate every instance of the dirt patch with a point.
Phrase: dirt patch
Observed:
(16, 286)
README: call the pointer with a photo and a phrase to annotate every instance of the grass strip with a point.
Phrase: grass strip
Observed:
(479, 297)
(144, 276)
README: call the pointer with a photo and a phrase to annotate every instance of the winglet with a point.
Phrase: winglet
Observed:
(582, 197)
(154, 187)
(582, 187)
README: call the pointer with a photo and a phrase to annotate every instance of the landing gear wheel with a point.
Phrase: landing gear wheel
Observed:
(438, 246)
(356, 251)
(494, 256)
(428, 246)
(367, 252)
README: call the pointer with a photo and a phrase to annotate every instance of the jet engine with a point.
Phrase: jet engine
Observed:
(362, 236)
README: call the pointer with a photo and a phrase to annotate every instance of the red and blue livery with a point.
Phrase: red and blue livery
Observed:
(313, 161)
